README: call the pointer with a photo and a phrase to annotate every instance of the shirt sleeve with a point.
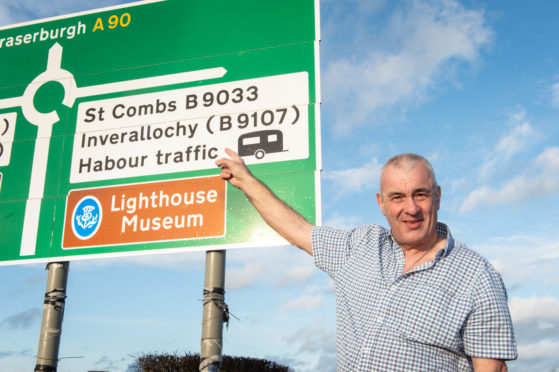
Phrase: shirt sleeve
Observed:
(332, 248)
(489, 331)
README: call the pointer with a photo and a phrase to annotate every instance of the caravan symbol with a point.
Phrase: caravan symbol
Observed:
(261, 143)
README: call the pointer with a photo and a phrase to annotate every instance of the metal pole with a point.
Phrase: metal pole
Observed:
(53, 312)
(214, 312)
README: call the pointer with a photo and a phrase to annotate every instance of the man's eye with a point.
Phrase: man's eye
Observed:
(397, 198)
(421, 196)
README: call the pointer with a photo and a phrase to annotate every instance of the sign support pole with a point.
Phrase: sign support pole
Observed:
(53, 312)
(214, 312)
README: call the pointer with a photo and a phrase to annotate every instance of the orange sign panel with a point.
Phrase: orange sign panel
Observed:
(146, 212)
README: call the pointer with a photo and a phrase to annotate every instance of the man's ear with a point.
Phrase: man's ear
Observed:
(380, 203)
(438, 197)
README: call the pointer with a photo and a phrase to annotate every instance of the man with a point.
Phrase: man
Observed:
(410, 298)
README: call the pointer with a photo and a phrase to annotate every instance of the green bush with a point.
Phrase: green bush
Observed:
(191, 362)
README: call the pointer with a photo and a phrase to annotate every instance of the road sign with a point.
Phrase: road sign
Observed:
(111, 122)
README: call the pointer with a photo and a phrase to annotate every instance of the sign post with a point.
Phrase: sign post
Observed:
(214, 311)
(53, 312)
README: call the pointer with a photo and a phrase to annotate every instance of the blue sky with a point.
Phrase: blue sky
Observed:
(471, 85)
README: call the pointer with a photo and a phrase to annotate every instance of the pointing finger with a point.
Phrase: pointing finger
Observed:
(233, 155)
(223, 162)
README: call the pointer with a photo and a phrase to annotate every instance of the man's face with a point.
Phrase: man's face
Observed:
(410, 202)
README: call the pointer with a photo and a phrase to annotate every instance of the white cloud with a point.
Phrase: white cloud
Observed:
(244, 277)
(174, 261)
(245, 267)
(520, 136)
(539, 351)
(366, 6)
(6, 354)
(354, 180)
(305, 302)
(339, 221)
(527, 263)
(27, 10)
(549, 159)
(279, 266)
(317, 339)
(541, 310)
(515, 140)
(555, 94)
(313, 337)
(5, 18)
(22, 320)
(542, 324)
(539, 179)
(425, 39)
(113, 321)
(297, 275)
(536, 321)
(108, 363)
(536, 356)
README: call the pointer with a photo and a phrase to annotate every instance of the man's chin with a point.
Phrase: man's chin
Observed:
(411, 238)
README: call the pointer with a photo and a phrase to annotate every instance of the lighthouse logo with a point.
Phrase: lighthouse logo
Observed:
(86, 218)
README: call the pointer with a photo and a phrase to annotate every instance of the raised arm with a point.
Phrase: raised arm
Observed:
(282, 218)
(489, 365)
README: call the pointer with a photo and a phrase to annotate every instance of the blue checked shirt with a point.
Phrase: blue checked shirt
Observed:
(433, 318)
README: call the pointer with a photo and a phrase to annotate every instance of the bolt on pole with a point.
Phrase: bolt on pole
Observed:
(214, 312)
(53, 312)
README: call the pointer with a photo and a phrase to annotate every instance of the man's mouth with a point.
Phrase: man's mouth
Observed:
(413, 224)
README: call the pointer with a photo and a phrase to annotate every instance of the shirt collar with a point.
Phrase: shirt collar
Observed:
(444, 231)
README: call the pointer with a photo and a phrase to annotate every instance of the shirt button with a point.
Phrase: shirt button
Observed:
(380, 319)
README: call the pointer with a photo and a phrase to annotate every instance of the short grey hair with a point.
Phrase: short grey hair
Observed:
(408, 161)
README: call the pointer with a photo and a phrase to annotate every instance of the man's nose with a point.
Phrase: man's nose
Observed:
(410, 206)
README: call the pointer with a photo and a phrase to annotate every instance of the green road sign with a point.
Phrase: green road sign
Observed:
(111, 122)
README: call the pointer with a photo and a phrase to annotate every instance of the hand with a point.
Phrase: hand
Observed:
(234, 169)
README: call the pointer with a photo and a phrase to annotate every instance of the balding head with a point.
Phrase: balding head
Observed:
(408, 161)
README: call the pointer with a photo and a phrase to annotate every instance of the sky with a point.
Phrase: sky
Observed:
(471, 85)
